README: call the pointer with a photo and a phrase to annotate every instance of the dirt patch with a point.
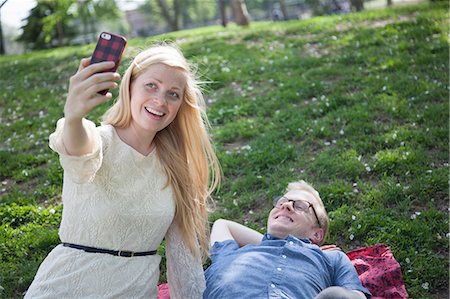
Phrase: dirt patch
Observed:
(236, 145)
(375, 24)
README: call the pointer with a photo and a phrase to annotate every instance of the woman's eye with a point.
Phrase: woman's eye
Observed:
(175, 95)
(151, 85)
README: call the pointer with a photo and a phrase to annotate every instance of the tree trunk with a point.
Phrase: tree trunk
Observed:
(166, 14)
(60, 33)
(223, 15)
(2, 47)
(283, 9)
(176, 13)
(240, 12)
(336, 5)
(2, 41)
(357, 4)
(389, 2)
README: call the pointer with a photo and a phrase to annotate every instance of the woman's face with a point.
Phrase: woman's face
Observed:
(156, 96)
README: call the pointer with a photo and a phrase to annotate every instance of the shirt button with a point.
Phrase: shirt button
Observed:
(279, 269)
(272, 285)
(283, 256)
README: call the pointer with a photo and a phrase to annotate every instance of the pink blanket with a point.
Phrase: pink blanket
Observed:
(377, 269)
(379, 272)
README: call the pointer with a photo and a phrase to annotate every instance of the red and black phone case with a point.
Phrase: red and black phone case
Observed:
(109, 48)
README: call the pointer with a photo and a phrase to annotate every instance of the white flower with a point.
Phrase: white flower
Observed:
(353, 217)
(425, 285)
(52, 211)
(352, 237)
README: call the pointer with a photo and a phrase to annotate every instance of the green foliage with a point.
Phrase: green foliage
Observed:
(356, 104)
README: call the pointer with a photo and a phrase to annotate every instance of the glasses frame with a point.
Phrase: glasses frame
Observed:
(276, 199)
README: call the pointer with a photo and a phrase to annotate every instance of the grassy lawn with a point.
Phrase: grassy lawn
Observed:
(356, 104)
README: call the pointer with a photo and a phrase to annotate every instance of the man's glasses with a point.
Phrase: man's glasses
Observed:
(299, 205)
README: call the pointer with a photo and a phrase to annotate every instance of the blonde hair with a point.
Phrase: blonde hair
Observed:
(184, 147)
(320, 208)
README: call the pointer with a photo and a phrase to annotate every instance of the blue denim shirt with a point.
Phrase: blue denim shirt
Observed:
(277, 268)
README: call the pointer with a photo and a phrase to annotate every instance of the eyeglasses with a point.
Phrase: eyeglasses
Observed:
(299, 205)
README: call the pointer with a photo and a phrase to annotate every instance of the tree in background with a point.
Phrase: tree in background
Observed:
(58, 23)
(241, 16)
(358, 5)
(47, 25)
(2, 43)
(172, 19)
(93, 12)
(177, 14)
(223, 13)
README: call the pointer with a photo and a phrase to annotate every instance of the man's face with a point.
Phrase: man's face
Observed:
(285, 220)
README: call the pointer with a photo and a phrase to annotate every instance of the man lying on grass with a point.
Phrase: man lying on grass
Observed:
(287, 261)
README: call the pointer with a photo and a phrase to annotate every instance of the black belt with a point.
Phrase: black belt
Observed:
(122, 253)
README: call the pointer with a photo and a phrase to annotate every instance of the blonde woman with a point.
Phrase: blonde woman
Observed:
(145, 174)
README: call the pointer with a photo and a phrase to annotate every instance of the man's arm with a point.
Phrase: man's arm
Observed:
(223, 230)
(340, 293)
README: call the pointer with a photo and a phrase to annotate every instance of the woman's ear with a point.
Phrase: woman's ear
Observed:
(317, 236)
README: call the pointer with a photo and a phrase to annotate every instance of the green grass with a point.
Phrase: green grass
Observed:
(355, 104)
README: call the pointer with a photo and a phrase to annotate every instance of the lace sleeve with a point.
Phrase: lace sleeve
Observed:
(184, 271)
(80, 169)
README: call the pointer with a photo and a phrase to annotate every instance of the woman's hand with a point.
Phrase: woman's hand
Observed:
(84, 86)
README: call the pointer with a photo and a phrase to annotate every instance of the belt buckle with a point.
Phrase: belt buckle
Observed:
(125, 253)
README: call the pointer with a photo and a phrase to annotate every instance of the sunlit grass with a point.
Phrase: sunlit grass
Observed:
(355, 104)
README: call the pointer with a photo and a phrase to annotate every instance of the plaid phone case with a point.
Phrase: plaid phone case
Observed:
(109, 48)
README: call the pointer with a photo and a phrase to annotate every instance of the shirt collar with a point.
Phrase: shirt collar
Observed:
(268, 236)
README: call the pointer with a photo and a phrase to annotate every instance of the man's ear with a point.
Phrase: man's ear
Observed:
(317, 236)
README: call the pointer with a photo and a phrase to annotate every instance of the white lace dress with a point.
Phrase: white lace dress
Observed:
(114, 198)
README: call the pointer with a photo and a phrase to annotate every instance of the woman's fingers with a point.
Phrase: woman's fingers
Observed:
(94, 82)
(93, 90)
(98, 99)
(84, 62)
(85, 86)
(92, 69)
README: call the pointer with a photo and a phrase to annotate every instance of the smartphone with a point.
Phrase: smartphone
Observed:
(109, 48)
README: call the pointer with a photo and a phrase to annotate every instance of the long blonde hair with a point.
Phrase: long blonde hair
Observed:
(184, 147)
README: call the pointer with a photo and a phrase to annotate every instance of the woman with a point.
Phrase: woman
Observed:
(145, 174)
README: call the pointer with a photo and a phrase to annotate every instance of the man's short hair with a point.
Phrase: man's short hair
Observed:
(319, 208)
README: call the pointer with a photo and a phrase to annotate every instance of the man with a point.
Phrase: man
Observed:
(287, 262)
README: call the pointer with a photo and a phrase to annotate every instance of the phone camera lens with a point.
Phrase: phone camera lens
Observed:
(106, 36)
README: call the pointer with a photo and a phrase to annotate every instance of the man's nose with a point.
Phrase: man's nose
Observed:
(289, 205)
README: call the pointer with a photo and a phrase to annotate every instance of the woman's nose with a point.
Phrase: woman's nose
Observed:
(159, 97)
